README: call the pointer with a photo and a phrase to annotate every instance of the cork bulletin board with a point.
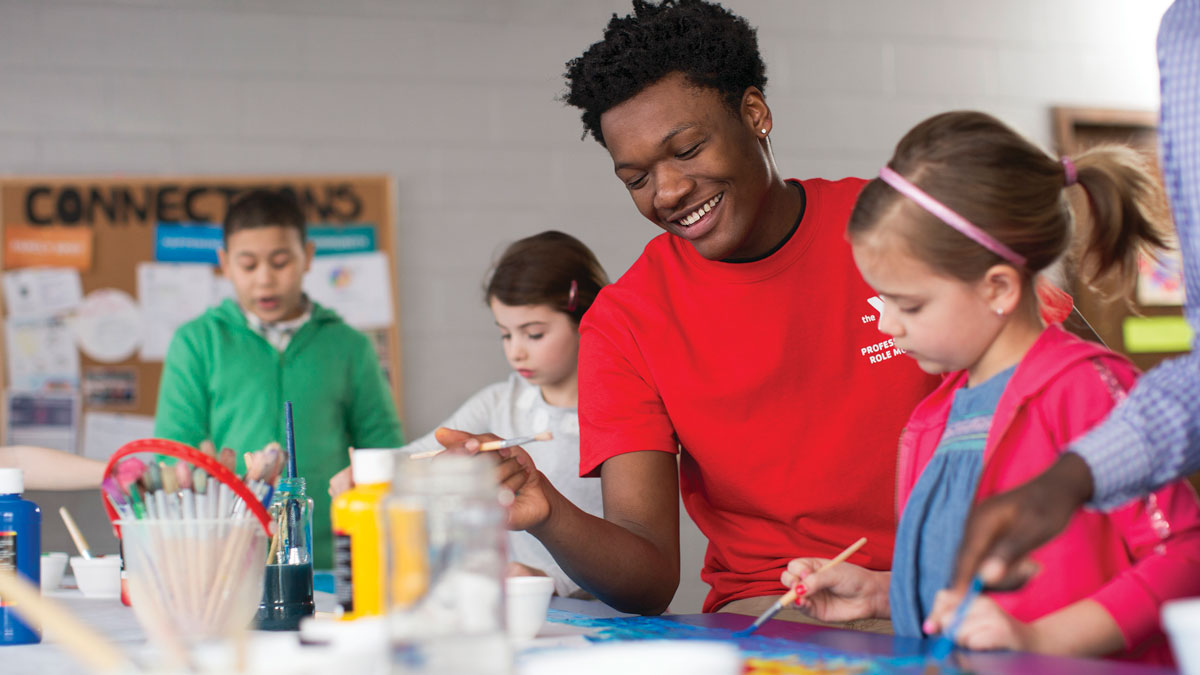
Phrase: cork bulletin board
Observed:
(98, 270)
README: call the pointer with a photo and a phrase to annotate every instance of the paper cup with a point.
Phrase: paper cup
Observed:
(54, 565)
(1181, 619)
(98, 577)
(527, 599)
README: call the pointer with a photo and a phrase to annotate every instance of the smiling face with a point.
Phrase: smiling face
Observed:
(266, 266)
(694, 168)
(944, 323)
(540, 343)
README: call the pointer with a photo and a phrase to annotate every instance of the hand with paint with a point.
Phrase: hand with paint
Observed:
(985, 625)
(1084, 628)
(843, 592)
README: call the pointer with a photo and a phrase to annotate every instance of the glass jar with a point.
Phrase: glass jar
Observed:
(288, 581)
(444, 532)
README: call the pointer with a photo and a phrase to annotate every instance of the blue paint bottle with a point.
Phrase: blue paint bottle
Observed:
(20, 550)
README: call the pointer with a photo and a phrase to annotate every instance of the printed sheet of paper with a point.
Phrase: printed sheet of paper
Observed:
(104, 433)
(170, 295)
(358, 287)
(41, 355)
(44, 420)
(42, 291)
(107, 325)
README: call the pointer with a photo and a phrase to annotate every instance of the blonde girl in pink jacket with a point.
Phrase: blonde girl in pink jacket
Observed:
(953, 236)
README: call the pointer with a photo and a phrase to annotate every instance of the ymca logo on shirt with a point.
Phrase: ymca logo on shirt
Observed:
(880, 351)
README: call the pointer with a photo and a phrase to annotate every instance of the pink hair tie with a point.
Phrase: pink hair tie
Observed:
(571, 296)
(1069, 169)
(948, 216)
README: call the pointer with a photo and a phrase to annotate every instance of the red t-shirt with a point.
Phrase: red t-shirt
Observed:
(774, 382)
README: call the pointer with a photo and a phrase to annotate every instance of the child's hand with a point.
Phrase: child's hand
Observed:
(843, 592)
(985, 626)
(340, 482)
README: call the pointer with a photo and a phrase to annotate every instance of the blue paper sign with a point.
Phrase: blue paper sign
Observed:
(187, 242)
(343, 239)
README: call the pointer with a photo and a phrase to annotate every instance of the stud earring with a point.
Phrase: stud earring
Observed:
(999, 312)
(763, 131)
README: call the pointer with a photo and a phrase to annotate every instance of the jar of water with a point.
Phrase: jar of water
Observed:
(444, 533)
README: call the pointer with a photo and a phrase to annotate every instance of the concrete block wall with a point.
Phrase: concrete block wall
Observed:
(457, 100)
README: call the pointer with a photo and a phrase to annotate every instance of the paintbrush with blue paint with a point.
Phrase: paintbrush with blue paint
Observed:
(945, 642)
(790, 597)
(293, 505)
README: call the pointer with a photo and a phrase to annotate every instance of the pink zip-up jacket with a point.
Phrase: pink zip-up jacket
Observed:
(1130, 560)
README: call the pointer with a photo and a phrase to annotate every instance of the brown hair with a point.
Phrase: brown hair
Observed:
(264, 208)
(1011, 189)
(539, 270)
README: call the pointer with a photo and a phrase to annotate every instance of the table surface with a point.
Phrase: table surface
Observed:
(118, 623)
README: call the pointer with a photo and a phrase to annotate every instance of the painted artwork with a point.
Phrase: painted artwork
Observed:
(764, 655)
(1160, 281)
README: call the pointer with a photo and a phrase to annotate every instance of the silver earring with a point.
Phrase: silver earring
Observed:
(999, 312)
(763, 131)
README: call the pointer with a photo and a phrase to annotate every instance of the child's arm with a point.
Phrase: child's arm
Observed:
(182, 413)
(372, 419)
(845, 592)
(49, 469)
(1082, 628)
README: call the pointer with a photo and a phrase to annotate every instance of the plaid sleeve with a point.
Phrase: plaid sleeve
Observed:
(1154, 436)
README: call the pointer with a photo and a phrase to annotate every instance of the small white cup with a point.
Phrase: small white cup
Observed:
(527, 599)
(1181, 619)
(53, 567)
(98, 577)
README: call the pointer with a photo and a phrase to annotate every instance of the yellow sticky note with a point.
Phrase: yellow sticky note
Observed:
(1151, 334)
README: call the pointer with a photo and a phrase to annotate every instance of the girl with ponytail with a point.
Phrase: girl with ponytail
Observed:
(954, 235)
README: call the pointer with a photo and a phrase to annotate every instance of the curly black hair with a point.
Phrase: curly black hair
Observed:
(710, 45)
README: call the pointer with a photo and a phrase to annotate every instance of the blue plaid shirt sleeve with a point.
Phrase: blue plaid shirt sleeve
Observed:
(1153, 437)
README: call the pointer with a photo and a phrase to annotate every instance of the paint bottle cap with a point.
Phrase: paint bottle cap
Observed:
(372, 466)
(12, 481)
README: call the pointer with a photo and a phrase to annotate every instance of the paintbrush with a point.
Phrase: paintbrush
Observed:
(945, 642)
(491, 446)
(76, 535)
(91, 648)
(293, 506)
(790, 596)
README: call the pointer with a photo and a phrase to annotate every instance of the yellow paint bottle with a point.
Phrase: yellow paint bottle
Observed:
(358, 570)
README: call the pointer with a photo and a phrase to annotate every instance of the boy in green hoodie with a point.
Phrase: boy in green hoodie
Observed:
(229, 371)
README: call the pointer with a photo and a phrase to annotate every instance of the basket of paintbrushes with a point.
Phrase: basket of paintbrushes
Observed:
(194, 536)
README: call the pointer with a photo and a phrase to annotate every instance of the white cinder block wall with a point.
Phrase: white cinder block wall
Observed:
(456, 99)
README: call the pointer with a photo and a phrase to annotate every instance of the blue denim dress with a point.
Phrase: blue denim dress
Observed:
(931, 526)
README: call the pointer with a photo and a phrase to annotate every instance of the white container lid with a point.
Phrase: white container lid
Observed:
(373, 465)
(12, 481)
(668, 657)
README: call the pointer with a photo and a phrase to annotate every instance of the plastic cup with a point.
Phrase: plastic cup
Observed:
(54, 565)
(1181, 619)
(194, 580)
(98, 577)
(527, 599)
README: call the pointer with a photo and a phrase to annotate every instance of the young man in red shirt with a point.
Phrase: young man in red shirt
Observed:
(743, 341)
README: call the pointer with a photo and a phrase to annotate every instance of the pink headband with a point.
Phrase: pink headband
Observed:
(922, 198)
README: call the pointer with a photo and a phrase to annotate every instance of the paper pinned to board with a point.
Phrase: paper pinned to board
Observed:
(104, 433)
(42, 291)
(1156, 334)
(40, 354)
(358, 287)
(171, 294)
(107, 325)
(47, 420)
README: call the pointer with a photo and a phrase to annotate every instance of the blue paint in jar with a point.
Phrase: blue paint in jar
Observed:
(20, 551)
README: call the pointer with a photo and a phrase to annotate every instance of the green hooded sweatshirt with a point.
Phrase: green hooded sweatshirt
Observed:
(224, 382)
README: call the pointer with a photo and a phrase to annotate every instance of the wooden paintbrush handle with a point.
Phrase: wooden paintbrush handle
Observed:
(790, 597)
